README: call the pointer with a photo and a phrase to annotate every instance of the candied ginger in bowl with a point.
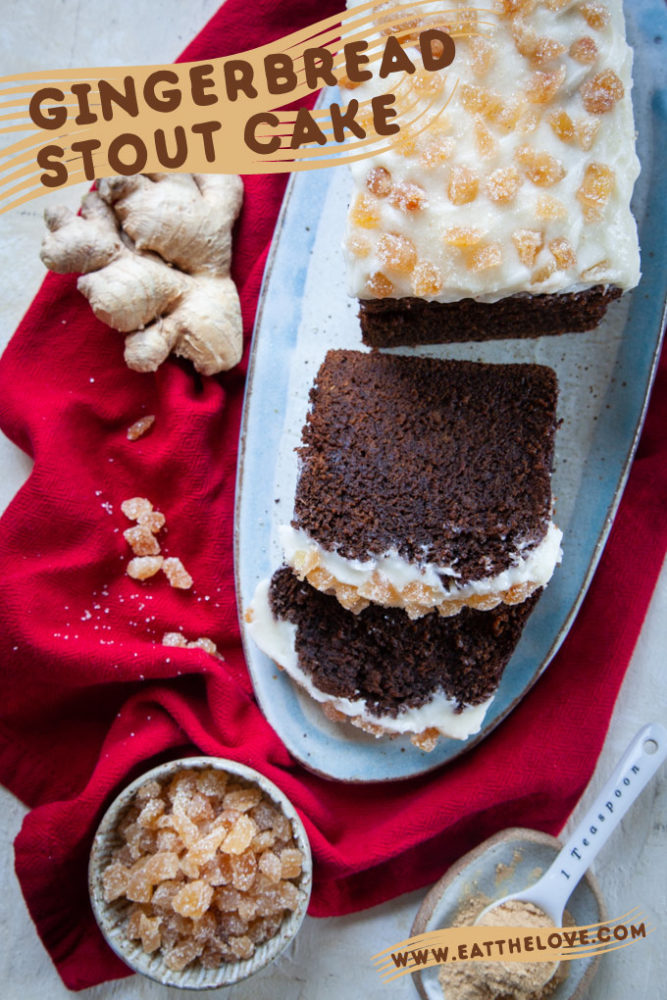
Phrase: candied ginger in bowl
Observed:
(200, 873)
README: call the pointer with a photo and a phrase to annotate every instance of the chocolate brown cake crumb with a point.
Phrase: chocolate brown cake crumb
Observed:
(411, 321)
(445, 462)
(389, 661)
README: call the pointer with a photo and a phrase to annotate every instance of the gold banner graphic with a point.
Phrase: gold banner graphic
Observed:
(227, 115)
(509, 944)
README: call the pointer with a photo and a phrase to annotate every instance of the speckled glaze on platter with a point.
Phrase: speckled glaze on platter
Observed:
(605, 376)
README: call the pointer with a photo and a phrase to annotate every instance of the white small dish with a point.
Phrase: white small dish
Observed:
(111, 917)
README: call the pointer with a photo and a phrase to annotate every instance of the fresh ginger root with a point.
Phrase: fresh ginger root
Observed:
(154, 253)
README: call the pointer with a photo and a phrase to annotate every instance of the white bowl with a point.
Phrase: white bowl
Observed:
(111, 917)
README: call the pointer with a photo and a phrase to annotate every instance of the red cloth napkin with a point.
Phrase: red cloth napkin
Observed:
(91, 698)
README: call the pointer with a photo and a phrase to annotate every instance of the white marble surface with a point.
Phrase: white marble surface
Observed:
(331, 958)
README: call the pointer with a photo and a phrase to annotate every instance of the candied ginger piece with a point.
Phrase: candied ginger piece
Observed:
(426, 279)
(563, 253)
(601, 92)
(427, 84)
(149, 932)
(143, 567)
(528, 243)
(543, 273)
(154, 520)
(398, 253)
(291, 862)
(473, 98)
(562, 125)
(182, 785)
(242, 947)
(135, 507)
(486, 144)
(263, 841)
(227, 900)
(503, 184)
(114, 881)
(163, 895)
(140, 427)
(546, 50)
(597, 272)
(181, 822)
(264, 815)
(541, 168)
(463, 185)
(139, 887)
(212, 782)
(142, 541)
(290, 896)
(247, 908)
(407, 197)
(269, 865)
(549, 208)
(151, 813)
(485, 256)
(482, 55)
(282, 827)
(194, 899)
(149, 790)
(511, 7)
(426, 741)
(595, 190)
(177, 574)
(244, 869)
(365, 212)
(379, 285)
(596, 14)
(202, 851)
(204, 643)
(182, 954)
(587, 130)
(231, 924)
(160, 867)
(174, 639)
(168, 840)
(543, 86)
(239, 837)
(462, 236)
(584, 50)
(378, 181)
(435, 146)
(242, 799)
(358, 245)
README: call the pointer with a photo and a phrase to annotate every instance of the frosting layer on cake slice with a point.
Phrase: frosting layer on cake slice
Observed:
(379, 670)
(425, 484)
(515, 178)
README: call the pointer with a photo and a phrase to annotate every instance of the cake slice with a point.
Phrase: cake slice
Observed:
(425, 484)
(502, 208)
(380, 671)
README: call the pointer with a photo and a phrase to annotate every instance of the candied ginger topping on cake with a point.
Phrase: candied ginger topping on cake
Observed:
(380, 671)
(522, 183)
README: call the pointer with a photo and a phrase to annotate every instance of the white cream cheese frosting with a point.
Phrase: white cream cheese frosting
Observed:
(523, 183)
(391, 580)
(276, 639)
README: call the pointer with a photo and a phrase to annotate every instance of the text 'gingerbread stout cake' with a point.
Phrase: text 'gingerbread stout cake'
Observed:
(502, 208)
(422, 536)
(425, 484)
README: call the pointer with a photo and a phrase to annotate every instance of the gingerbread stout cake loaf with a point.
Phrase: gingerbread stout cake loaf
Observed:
(425, 484)
(509, 214)
(381, 671)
